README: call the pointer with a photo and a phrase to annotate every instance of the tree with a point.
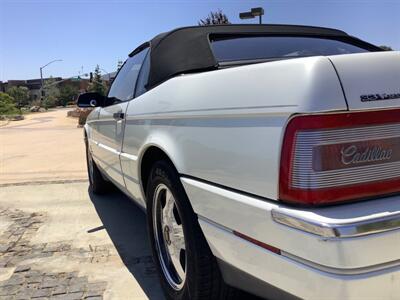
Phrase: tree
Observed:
(214, 18)
(20, 95)
(67, 93)
(52, 93)
(386, 48)
(7, 105)
(97, 84)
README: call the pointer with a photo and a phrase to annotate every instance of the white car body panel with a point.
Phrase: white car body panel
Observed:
(198, 120)
(296, 278)
(381, 72)
(252, 216)
(108, 142)
(223, 131)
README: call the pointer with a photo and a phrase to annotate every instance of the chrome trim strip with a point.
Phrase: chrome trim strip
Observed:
(112, 150)
(129, 156)
(204, 113)
(220, 226)
(308, 263)
(341, 271)
(345, 230)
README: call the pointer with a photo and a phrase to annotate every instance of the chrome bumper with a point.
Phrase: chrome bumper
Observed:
(342, 230)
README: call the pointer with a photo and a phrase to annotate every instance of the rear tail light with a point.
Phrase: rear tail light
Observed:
(338, 157)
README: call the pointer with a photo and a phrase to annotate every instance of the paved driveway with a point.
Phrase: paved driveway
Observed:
(57, 241)
(44, 147)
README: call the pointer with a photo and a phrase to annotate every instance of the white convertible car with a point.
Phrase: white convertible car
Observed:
(267, 158)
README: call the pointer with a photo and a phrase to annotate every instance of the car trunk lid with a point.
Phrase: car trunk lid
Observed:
(370, 80)
(347, 156)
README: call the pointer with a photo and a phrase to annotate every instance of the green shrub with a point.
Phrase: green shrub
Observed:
(7, 105)
(49, 102)
(67, 94)
(20, 94)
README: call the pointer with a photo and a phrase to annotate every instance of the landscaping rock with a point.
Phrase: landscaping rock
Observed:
(34, 108)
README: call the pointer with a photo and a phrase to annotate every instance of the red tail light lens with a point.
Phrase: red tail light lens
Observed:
(338, 157)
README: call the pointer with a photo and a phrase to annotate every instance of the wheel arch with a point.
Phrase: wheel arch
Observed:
(86, 134)
(150, 155)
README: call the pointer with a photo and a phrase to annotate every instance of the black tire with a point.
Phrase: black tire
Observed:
(97, 184)
(203, 277)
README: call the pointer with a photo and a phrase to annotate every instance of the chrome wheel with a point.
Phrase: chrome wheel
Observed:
(169, 237)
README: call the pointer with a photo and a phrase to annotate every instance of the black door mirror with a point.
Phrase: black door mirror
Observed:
(91, 100)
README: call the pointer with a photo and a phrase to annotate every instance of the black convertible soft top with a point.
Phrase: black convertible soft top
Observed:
(188, 49)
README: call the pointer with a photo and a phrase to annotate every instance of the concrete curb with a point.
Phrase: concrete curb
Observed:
(43, 182)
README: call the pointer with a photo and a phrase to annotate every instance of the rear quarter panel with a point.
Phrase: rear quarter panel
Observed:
(226, 126)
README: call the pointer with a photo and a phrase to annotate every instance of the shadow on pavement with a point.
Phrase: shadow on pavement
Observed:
(126, 225)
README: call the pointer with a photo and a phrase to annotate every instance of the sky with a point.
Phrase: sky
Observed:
(84, 33)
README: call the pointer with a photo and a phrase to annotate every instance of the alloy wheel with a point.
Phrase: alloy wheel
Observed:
(169, 237)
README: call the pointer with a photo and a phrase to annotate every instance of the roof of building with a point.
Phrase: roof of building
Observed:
(109, 76)
(188, 49)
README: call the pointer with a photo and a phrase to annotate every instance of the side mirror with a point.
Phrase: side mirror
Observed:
(91, 100)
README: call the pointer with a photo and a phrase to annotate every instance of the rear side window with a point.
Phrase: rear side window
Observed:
(123, 86)
(141, 85)
(270, 47)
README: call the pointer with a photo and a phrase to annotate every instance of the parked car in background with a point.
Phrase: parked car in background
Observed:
(266, 156)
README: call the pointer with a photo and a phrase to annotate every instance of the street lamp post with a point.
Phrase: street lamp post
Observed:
(41, 77)
(254, 12)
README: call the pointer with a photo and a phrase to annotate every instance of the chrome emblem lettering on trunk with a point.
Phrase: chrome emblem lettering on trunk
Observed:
(379, 97)
(352, 154)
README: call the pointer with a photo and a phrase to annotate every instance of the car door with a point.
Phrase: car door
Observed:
(134, 136)
(111, 120)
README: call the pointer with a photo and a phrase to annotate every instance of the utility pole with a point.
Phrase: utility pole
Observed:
(41, 85)
(41, 77)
